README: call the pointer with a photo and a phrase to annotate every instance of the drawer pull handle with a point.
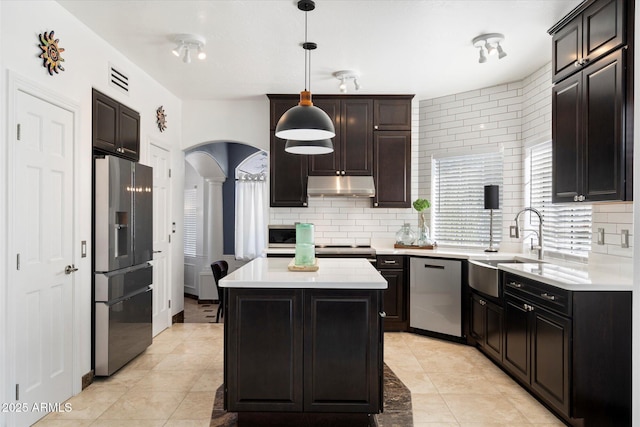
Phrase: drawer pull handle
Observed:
(441, 267)
(548, 296)
(515, 284)
(390, 261)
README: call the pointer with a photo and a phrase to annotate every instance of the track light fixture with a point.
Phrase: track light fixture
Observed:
(489, 43)
(346, 75)
(185, 43)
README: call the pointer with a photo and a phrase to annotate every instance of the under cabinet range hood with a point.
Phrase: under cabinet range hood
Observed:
(341, 186)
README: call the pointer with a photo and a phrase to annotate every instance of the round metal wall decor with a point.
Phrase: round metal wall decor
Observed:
(161, 119)
(51, 53)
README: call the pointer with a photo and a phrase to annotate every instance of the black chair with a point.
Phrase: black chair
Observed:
(219, 269)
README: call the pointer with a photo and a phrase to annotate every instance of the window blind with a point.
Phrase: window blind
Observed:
(459, 217)
(566, 227)
(190, 221)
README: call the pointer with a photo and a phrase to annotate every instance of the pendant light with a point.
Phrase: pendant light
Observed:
(306, 127)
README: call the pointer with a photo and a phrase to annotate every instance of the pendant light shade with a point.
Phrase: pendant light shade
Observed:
(306, 128)
(304, 122)
(324, 146)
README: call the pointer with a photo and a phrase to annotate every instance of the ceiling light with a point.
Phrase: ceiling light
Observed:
(185, 43)
(307, 127)
(344, 76)
(491, 43)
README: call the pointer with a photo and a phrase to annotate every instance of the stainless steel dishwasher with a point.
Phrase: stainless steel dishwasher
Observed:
(435, 288)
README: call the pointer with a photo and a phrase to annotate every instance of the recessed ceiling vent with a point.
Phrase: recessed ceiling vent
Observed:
(118, 79)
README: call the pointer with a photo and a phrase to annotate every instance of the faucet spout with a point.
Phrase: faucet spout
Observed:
(517, 232)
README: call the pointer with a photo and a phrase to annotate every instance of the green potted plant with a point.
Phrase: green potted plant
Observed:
(423, 231)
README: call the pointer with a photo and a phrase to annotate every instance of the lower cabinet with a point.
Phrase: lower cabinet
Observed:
(486, 325)
(393, 269)
(303, 350)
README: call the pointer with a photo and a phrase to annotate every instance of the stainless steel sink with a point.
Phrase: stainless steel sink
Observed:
(485, 277)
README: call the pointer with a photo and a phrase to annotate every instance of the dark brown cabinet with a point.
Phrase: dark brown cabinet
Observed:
(571, 349)
(592, 116)
(587, 34)
(288, 176)
(115, 127)
(392, 113)
(589, 140)
(486, 325)
(392, 169)
(393, 269)
(303, 350)
(353, 119)
(355, 146)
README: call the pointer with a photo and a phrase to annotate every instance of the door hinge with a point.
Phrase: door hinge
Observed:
(18, 131)
(169, 303)
(169, 173)
(17, 391)
(169, 238)
(17, 261)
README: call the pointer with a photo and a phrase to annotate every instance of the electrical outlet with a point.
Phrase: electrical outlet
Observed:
(601, 236)
(513, 232)
(624, 238)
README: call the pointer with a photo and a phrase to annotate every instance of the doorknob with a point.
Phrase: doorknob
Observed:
(70, 269)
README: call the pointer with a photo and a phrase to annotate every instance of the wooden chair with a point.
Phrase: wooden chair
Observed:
(219, 269)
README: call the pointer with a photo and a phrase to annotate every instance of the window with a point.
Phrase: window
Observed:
(190, 219)
(459, 217)
(566, 227)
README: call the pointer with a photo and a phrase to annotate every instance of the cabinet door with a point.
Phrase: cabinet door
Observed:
(604, 28)
(341, 351)
(356, 135)
(603, 89)
(394, 301)
(288, 176)
(129, 133)
(550, 356)
(392, 176)
(567, 49)
(105, 126)
(392, 114)
(264, 344)
(477, 319)
(567, 137)
(493, 332)
(278, 106)
(517, 338)
(328, 164)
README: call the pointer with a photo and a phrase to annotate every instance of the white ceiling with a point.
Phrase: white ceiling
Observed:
(398, 46)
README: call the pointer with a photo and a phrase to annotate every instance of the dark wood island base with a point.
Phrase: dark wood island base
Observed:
(297, 419)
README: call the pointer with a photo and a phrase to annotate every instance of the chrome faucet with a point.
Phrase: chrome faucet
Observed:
(516, 233)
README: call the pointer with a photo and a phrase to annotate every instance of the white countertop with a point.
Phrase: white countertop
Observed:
(333, 273)
(566, 275)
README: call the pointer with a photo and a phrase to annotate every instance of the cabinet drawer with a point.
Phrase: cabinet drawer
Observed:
(390, 261)
(547, 296)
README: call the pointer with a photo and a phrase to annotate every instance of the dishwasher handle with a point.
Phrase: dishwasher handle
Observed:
(439, 267)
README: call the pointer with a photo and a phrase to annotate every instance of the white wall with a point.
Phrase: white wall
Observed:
(86, 61)
(514, 116)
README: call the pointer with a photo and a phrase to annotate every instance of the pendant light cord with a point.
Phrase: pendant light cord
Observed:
(306, 52)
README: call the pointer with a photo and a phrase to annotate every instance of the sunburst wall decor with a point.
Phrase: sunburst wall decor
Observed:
(161, 119)
(51, 53)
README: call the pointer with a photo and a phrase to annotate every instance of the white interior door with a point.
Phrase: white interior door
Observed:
(43, 236)
(160, 161)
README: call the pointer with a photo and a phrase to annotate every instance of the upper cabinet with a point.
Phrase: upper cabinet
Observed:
(115, 127)
(352, 155)
(365, 125)
(582, 38)
(591, 104)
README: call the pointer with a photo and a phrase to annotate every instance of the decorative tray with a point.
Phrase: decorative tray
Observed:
(293, 267)
(399, 246)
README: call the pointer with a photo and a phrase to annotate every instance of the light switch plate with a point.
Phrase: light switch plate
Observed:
(624, 238)
(512, 232)
(601, 236)
(83, 249)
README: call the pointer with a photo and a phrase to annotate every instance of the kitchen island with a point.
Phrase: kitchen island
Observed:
(303, 344)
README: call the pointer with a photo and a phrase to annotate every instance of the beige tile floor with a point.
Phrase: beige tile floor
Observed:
(173, 382)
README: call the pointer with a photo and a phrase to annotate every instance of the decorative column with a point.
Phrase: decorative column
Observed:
(213, 224)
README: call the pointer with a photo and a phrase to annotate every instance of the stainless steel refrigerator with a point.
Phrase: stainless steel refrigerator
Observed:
(123, 247)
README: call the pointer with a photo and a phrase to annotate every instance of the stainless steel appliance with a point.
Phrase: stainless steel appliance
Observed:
(123, 247)
(281, 236)
(435, 298)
